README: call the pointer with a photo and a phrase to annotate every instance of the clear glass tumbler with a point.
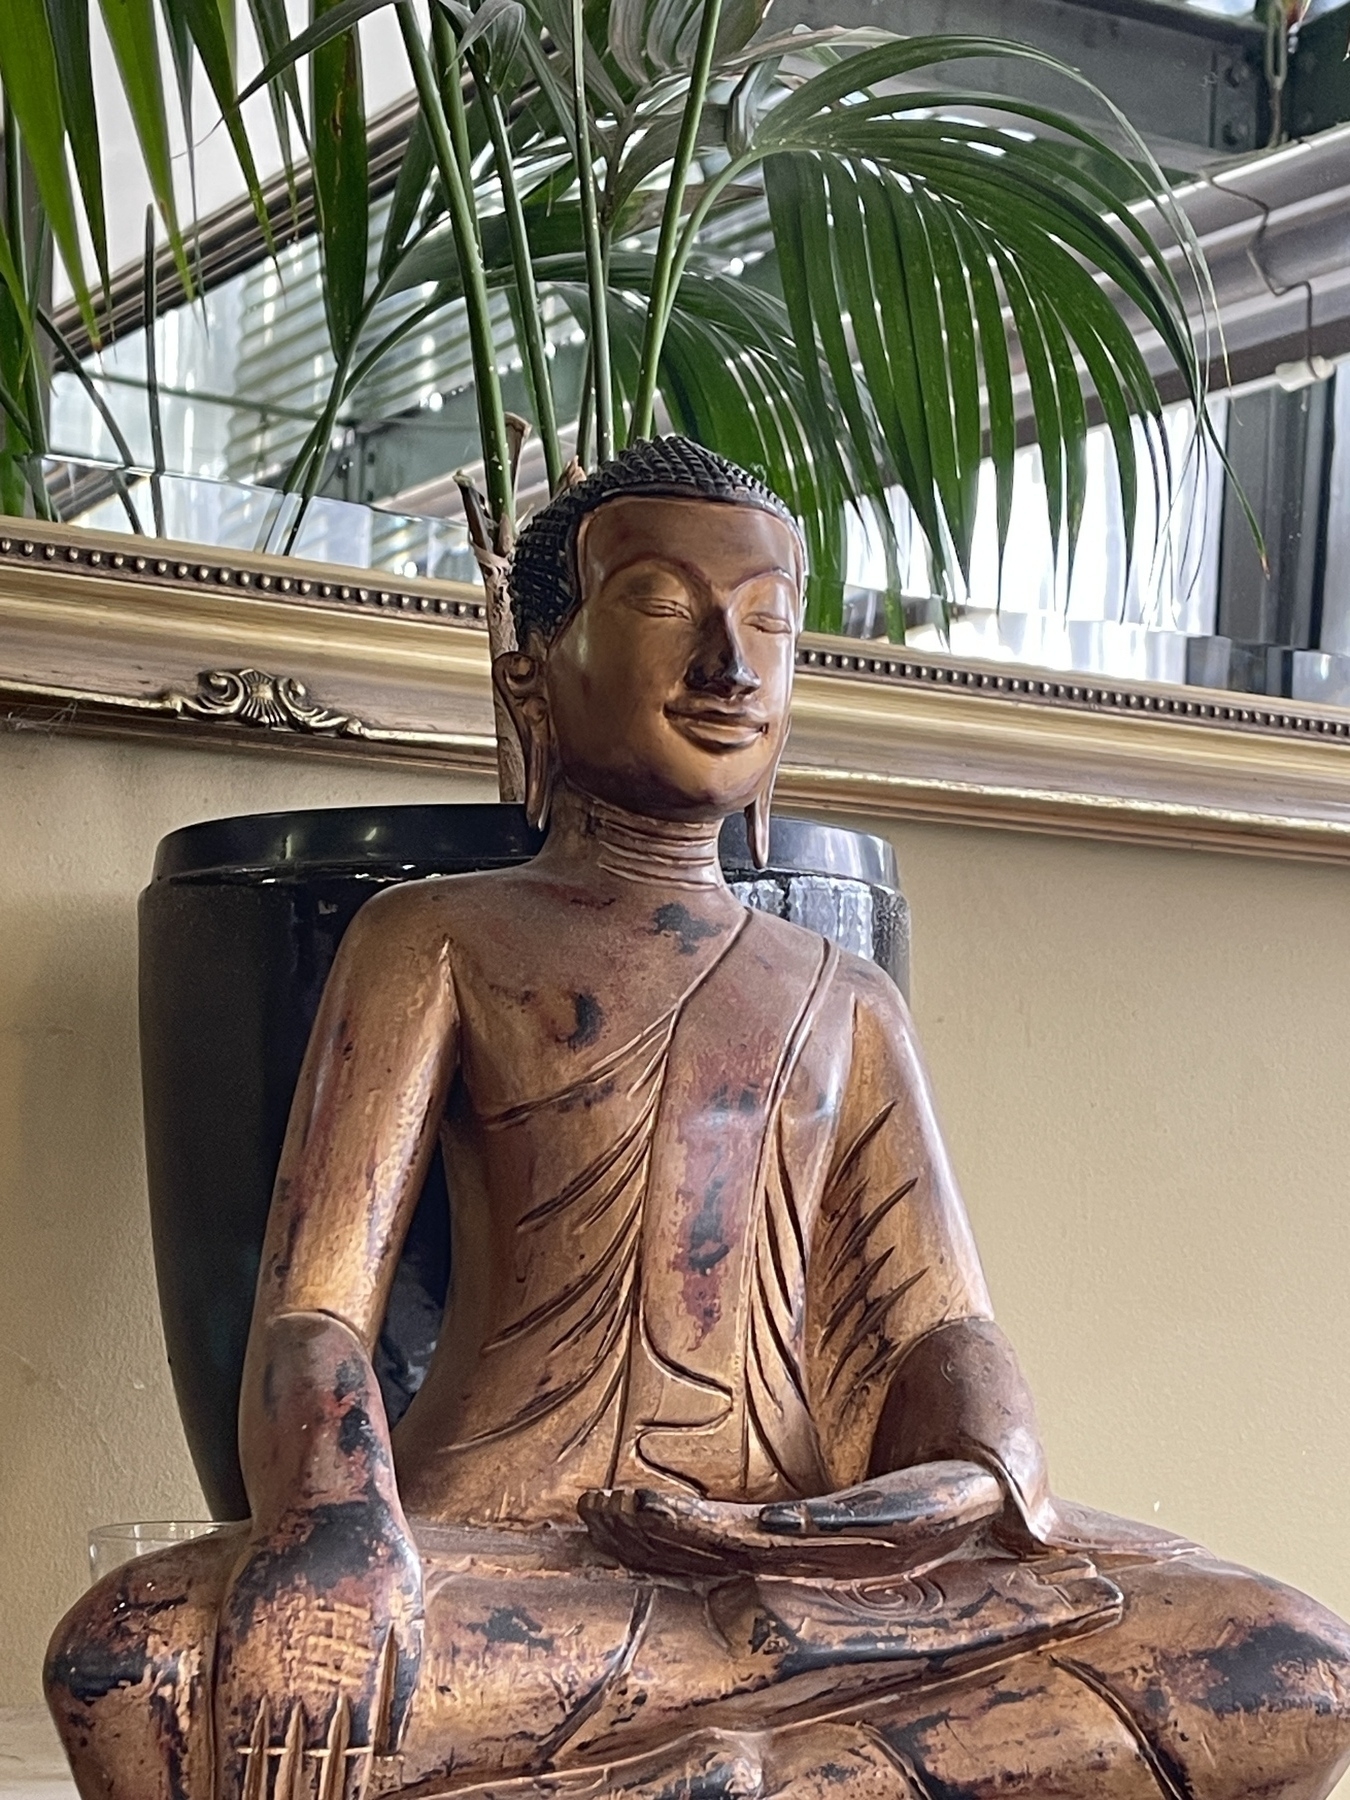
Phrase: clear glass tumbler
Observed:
(112, 1545)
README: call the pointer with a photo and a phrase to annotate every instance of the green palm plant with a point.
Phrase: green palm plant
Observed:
(923, 255)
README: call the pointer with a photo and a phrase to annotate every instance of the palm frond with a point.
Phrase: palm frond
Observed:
(927, 278)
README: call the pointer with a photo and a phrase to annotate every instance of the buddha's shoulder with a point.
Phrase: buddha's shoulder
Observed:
(783, 944)
(436, 908)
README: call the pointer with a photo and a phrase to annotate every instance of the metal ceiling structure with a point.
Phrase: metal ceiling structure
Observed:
(1190, 81)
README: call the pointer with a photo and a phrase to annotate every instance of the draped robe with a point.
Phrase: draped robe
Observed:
(729, 1259)
(717, 1247)
(726, 1246)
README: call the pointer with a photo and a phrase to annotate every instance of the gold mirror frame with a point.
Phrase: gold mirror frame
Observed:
(108, 633)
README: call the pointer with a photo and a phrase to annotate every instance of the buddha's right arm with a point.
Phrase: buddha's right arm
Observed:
(362, 1132)
(322, 1618)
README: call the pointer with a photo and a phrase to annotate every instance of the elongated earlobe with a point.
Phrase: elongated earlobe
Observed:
(757, 825)
(540, 769)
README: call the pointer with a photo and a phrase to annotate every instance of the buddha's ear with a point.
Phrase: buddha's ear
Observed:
(518, 676)
(757, 820)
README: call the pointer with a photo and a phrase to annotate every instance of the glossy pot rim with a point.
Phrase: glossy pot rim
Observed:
(306, 842)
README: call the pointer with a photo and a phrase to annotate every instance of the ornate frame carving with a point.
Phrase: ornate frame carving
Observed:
(110, 634)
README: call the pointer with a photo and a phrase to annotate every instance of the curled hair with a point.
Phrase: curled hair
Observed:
(543, 577)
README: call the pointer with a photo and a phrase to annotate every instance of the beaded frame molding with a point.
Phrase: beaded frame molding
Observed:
(111, 634)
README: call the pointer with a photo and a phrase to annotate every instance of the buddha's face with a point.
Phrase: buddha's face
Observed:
(667, 691)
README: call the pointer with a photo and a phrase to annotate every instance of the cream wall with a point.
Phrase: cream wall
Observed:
(88, 1430)
(1138, 1056)
(1141, 1059)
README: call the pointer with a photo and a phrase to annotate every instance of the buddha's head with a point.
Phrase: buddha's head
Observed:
(657, 605)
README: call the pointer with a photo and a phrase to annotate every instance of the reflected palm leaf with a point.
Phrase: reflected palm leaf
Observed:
(933, 269)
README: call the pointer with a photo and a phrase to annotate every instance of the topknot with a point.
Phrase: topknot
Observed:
(543, 577)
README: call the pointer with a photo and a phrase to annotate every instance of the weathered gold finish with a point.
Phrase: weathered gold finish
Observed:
(89, 640)
(723, 1482)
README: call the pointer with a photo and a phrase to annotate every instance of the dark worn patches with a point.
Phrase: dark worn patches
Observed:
(908, 1744)
(97, 1669)
(281, 1263)
(349, 1379)
(1172, 1779)
(590, 1017)
(1267, 1666)
(513, 1625)
(148, 1609)
(707, 1245)
(676, 920)
(332, 1543)
(356, 1434)
(1011, 1696)
(166, 1716)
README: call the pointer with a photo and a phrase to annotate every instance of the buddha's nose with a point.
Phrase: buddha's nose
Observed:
(719, 667)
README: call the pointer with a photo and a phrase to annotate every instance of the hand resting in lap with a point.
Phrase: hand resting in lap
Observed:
(890, 1525)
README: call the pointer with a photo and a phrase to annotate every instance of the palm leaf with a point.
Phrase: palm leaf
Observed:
(795, 190)
(341, 180)
(273, 32)
(1044, 392)
(76, 368)
(996, 371)
(210, 26)
(16, 434)
(184, 65)
(908, 434)
(414, 173)
(323, 28)
(29, 74)
(960, 334)
(69, 22)
(14, 288)
(149, 314)
(131, 31)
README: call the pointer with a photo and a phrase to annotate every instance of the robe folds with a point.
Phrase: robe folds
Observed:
(727, 1261)
(764, 1264)
(721, 1244)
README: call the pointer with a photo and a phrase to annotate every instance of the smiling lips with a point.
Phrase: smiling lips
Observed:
(719, 727)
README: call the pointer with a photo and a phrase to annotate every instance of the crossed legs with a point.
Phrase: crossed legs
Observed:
(1216, 1685)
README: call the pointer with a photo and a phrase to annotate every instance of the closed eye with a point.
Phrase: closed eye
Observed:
(656, 607)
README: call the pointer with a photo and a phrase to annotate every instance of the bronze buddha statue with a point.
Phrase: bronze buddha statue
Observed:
(723, 1482)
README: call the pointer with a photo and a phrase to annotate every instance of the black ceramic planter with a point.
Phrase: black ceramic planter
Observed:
(238, 930)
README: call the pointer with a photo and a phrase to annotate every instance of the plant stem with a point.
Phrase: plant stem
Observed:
(150, 300)
(493, 549)
(532, 329)
(694, 224)
(446, 53)
(309, 459)
(660, 300)
(586, 410)
(464, 225)
(601, 378)
(35, 427)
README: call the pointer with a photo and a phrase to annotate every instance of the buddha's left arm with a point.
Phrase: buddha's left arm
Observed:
(905, 1364)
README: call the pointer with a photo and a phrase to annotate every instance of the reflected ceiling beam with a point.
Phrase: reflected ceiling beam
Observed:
(1275, 232)
(1189, 81)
